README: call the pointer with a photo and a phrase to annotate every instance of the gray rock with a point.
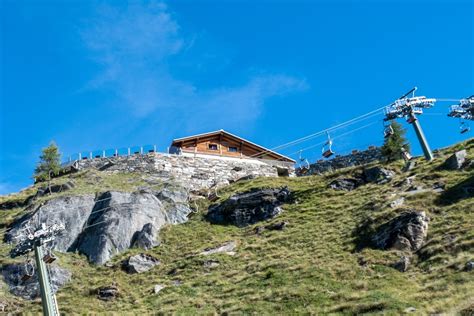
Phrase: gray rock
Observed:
(405, 232)
(147, 238)
(469, 266)
(378, 175)
(456, 161)
(108, 293)
(112, 230)
(157, 288)
(110, 224)
(227, 248)
(71, 211)
(277, 226)
(249, 207)
(402, 264)
(55, 188)
(410, 310)
(211, 264)
(397, 203)
(409, 166)
(29, 289)
(345, 184)
(139, 263)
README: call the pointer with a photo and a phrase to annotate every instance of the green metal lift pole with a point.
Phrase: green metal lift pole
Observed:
(47, 297)
(421, 137)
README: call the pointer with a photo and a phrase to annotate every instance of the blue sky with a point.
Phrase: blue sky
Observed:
(105, 74)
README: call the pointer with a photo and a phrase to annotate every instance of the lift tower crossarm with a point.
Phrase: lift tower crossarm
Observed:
(409, 108)
(34, 241)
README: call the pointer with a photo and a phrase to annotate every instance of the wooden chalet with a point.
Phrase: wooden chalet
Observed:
(222, 143)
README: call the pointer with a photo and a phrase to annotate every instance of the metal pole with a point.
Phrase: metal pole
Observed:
(47, 296)
(421, 137)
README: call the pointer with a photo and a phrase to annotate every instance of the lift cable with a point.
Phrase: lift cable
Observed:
(335, 137)
(322, 132)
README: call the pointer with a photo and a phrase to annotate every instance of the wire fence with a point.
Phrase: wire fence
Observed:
(111, 152)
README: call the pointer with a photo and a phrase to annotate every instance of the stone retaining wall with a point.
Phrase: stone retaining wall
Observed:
(357, 158)
(194, 172)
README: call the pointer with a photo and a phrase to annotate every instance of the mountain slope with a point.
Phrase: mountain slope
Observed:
(322, 262)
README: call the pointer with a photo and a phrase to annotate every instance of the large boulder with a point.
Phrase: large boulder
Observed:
(227, 248)
(29, 289)
(405, 232)
(249, 207)
(147, 238)
(108, 293)
(344, 184)
(139, 263)
(115, 221)
(456, 161)
(109, 224)
(378, 175)
(71, 211)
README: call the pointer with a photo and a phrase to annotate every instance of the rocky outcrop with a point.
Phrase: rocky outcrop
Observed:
(469, 266)
(406, 232)
(378, 175)
(147, 238)
(249, 207)
(403, 264)
(111, 223)
(108, 293)
(55, 188)
(71, 211)
(29, 289)
(227, 248)
(119, 216)
(345, 184)
(456, 161)
(139, 263)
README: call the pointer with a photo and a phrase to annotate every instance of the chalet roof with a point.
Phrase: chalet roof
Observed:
(262, 149)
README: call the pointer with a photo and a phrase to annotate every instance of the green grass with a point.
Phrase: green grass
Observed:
(314, 266)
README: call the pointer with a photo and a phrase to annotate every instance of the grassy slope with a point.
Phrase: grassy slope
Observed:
(312, 266)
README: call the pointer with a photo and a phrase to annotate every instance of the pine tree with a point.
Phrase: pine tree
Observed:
(49, 164)
(392, 147)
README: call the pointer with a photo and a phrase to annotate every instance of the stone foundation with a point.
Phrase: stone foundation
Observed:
(356, 158)
(194, 172)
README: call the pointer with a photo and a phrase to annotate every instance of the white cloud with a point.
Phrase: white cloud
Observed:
(134, 45)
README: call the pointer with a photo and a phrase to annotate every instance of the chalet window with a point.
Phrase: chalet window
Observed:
(233, 149)
(212, 146)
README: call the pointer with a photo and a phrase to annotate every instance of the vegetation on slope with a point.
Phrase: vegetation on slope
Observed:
(320, 263)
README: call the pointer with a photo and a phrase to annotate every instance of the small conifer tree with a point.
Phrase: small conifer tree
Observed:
(49, 164)
(392, 147)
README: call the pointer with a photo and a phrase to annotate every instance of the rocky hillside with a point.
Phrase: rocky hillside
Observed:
(373, 239)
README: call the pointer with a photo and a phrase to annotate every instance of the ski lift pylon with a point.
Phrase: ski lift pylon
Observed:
(327, 147)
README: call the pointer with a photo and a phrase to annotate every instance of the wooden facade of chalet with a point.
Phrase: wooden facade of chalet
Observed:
(222, 143)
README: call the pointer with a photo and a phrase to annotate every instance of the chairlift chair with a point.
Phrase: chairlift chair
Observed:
(327, 152)
(304, 163)
(49, 257)
(464, 128)
(388, 131)
(28, 274)
(405, 154)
